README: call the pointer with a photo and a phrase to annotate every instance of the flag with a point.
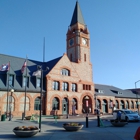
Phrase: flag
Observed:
(37, 73)
(5, 67)
(23, 67)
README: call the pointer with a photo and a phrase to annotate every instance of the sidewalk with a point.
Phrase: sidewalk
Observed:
(53, 130)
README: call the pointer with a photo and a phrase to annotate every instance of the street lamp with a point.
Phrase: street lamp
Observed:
(137, 95)
(41, 93)
(10, 105)
(95, 101)
(67, 106)
(87, 98)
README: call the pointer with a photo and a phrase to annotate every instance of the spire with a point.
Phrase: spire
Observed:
(77, 15)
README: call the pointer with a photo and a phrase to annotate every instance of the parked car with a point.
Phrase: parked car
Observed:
(128, 115)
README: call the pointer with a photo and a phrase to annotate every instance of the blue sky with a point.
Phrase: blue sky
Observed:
(114, 27)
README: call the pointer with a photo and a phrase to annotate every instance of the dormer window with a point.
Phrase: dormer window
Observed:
(119, 92)
(99, 90)
(65, 72)
(38, 82)
(11, 80)
(25, 81)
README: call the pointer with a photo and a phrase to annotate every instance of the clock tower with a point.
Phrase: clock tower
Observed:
(78, 45)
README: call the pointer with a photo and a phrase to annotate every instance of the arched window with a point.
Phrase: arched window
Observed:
(65, 86)
(74, 102)
(121, 104)
(132, 105)
(136, 104)
(55, 104)
(37, 103)
(98, 104)
(127, 105)
(65, 72)
(11, 105)
(117, 104)
(55, 85)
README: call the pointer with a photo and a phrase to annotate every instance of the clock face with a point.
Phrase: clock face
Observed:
(71, 41)
(84, 41)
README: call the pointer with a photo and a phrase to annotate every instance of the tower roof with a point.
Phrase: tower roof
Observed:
(77, 15)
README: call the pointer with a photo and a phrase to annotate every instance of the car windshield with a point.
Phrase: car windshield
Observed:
(129, 112)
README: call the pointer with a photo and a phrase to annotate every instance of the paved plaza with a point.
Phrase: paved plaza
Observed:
(53, 130)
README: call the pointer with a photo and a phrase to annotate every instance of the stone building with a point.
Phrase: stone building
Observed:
(68, 86)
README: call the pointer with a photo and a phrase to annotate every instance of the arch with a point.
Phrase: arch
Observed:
(29, 101)
(136, 104)
(98, 103)
(65, 71)
(104, 106)
(65, 109)
(117, 104)
(122, 106)
(5, 105)
(55, 103)
(50, 103)
(74, 105)
(82, 103)
(127, 104)
(37, 103)
(132, 104)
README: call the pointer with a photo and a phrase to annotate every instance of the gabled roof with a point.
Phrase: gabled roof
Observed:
(77, 15)
(16, 64)
(114, 91)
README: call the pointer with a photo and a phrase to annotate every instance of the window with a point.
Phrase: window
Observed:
(65, 86)
(127, 105)
(37, 104)
(84, 87)
(25, 81)
(74, 87)
(111, 104)
(136, 104)
(119, 92)
(55, 85)
(132, 105)
(99, 90)
(38, 83)
(71, 57)
(55, 104)
(65, 72)
(11, 80)
(84, 57)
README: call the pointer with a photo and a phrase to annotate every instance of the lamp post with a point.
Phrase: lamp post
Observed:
(87, 98)
(41, 93)
(10, 105)
(67, 106)
(137, 95)
(97, 111)
(95, 101)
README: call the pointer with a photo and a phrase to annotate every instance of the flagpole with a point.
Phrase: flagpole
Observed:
(25, 92)
(7, 90)
(44, 50)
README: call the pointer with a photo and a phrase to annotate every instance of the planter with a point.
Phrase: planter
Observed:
(118, 123)
(25, 131)
(72, 126)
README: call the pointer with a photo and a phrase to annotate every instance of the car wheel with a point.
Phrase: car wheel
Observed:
(127, 119)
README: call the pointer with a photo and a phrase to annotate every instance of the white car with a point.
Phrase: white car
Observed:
(128, 115)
